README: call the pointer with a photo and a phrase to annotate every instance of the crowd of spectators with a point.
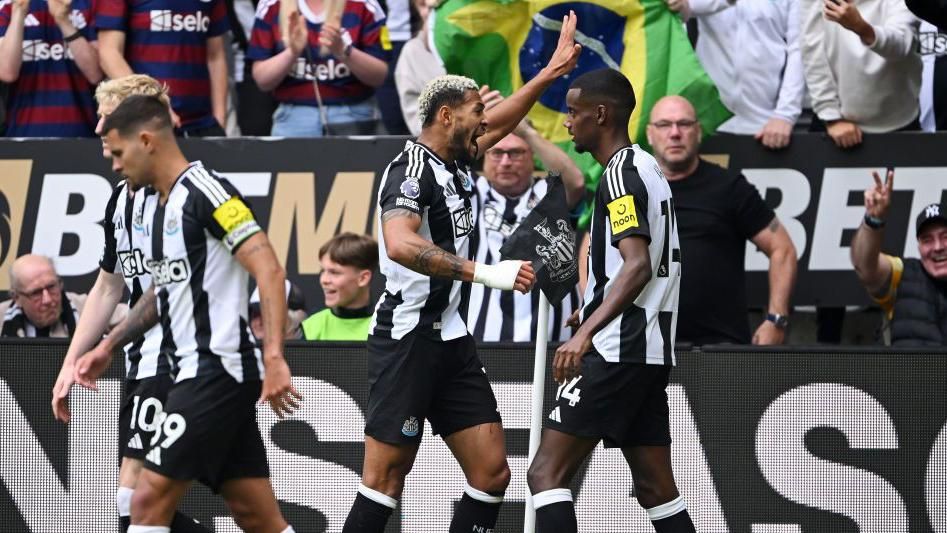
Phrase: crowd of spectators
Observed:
(344, 67)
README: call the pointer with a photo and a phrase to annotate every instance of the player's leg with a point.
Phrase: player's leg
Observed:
(464, 412)
(383, 471)
(155, 499)
(559, 457)
(127, 478)
(647, 449)
(253, 505)
(401, 375)
(141, 407)
(481, 452)
(656, 490)
(128, 475)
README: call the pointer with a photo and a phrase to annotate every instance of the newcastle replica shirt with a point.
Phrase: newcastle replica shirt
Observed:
(443, 195)
(362, 20)
(507, 315)
(128, 228)
(634, 201)
(201, 288)
(51, 97)
(167, 40)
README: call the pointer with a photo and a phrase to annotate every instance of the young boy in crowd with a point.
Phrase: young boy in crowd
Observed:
(348, 263)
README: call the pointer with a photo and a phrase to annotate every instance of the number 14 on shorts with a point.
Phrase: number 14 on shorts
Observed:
(569, 391)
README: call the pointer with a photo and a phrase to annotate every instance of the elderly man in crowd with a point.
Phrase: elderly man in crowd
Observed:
(38, 306)
(508, 192)
(912, 292)
(718, 210)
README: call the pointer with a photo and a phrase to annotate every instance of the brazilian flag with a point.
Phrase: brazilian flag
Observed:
(503, 43)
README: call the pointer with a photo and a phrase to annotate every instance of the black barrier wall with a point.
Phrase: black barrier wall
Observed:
(53, 194)
(778, 441)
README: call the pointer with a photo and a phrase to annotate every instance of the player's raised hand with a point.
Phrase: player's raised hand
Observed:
(91, 366)
(568, 360)
(61, 393)
(878, 198)
(278, 388)
(566, 56)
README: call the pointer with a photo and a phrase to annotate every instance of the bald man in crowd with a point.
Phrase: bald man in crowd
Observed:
(38, 306)
(718, 210)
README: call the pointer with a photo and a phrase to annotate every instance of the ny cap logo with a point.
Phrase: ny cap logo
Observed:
(932, 211)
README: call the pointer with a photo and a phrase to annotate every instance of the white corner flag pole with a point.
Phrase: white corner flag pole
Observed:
(536, 413)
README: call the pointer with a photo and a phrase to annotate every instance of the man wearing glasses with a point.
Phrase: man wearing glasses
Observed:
(508, 191)
(717, 212)
(38, 306)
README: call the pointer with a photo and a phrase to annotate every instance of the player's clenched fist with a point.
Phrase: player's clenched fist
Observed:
(506, 275)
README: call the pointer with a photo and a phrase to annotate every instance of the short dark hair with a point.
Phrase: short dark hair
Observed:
(608, 86)
(350, 249)
(136, 112)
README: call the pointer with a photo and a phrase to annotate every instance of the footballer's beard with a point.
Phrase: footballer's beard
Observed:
(463, 146)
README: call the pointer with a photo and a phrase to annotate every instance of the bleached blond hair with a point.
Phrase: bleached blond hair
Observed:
(448, 90)
(111, 93)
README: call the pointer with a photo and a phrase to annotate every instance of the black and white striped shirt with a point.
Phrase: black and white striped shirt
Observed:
(201, 288)
(496, 315)
(128, 217)
(442, 193)
(634, 199)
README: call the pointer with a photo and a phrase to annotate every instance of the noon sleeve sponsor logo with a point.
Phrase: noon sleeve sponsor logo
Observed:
(621, 214)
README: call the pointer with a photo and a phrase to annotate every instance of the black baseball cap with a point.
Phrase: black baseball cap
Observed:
(931, 213)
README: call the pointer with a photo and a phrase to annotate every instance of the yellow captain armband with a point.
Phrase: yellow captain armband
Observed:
(237, 221)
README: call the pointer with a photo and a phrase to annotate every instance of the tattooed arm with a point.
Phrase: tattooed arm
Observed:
(407, 248)
(139, 320)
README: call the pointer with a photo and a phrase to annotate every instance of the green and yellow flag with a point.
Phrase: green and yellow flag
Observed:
(503, 43)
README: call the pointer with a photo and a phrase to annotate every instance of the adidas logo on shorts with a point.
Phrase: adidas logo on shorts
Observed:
(135, 442)
(154, 456)
(554, 415)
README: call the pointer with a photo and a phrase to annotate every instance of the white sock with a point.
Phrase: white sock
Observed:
(123, 500)
(551, 496)
(479, 495)
(664, 510)
(377, 497)
(149, 529)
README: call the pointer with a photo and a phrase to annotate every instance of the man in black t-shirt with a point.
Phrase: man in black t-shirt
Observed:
(717, 212)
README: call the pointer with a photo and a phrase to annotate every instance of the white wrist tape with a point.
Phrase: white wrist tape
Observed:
(499, 276)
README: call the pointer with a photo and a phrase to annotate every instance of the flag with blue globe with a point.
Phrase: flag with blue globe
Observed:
(504, 43)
